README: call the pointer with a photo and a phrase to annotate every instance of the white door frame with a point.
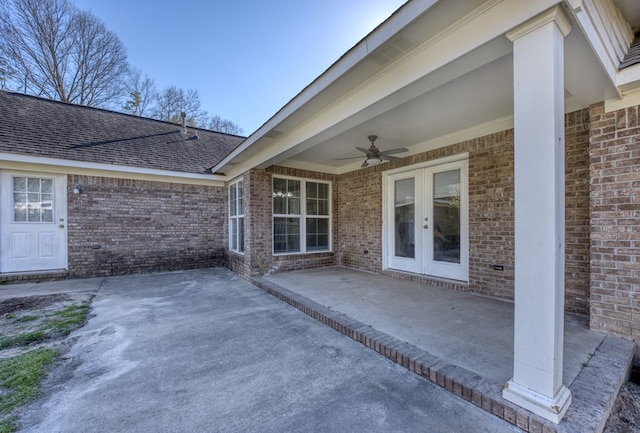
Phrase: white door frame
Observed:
(423, 262)
(49, 235)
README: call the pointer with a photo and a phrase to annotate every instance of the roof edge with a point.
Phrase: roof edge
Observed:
(385, 31)
(26, 162)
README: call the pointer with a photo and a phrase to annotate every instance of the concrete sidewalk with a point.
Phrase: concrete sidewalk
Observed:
(205, 351)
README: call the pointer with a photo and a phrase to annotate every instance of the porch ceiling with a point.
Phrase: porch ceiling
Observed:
(436, 73)
(445, 107)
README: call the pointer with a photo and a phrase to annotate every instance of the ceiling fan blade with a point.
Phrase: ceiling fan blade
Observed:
(362, 149)
(389, 157)
(348, 157)
(392, 151)
(364, 164)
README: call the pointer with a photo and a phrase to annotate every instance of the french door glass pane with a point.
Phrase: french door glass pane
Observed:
(404, 230)
(446, 216)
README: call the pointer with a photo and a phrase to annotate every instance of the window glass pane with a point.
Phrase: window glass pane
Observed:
(232, 200)
(20, 200)
(33, 184)
(317, 198)
(286, 235)
(47, 185)
(47, 215)
(234, 234)
(317, 234)
(404, 224)
(279, 196)
(240, 198)
(33, 214)
(446, 216)
(312, 190)
(323, 191)
(293, 196)
(20, 184)
(241, 235)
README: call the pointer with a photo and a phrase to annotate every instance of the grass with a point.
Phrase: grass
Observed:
(8, 426)
(21, 339)
(20, 377)
(59, 323)
(68, 319)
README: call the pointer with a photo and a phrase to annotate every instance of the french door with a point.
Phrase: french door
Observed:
(426, 221)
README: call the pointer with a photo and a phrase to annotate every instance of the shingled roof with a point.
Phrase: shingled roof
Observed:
(40, 127)
(633, 55)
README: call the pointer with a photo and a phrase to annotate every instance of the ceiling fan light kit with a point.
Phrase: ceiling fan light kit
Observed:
(375, 156)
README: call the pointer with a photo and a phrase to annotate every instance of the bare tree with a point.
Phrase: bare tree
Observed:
(141, 93)
(219, 124)
(172, 101)
(57, 51)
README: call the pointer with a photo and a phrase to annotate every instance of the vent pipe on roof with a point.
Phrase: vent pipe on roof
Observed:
(183, 115)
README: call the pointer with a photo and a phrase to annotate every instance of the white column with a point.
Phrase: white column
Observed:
(538, 62)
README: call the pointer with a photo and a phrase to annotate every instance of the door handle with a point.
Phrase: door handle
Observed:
(61, 226)
(426, 226)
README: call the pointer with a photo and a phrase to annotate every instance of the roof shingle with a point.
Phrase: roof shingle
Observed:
(40, 127)
(633, 55)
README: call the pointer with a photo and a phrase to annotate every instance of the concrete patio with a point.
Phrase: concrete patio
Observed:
(461, 341)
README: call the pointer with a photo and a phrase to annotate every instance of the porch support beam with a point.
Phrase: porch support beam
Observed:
(538, 58)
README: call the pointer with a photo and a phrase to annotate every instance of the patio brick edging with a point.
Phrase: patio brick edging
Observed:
(480, 391)
(594, 390)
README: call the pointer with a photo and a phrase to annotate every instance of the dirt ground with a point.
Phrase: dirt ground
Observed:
(25, 315)
(625, 417)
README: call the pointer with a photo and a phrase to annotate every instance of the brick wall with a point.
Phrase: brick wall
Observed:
(359, 243)
(142, 226)
(491, 215)
(357, 217)
(258, 258)
(577, 229)
(615, 204)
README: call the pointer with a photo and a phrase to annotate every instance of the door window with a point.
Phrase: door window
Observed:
(404, 217)
(446, 216)
(32, 200)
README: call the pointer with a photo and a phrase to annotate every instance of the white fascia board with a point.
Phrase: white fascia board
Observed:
(63, 166)
(407, 13)
(606, 31)
(630, 98)
(491, 20)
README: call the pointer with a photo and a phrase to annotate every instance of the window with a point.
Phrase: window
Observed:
(236, 216)
(32, 200)
(301, 216)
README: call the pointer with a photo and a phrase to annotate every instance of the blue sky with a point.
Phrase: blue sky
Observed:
(246, 58)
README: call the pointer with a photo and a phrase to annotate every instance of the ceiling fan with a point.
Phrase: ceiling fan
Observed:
(375, 156)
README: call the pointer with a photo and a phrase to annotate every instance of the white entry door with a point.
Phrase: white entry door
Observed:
(426, 221)
(33, 225)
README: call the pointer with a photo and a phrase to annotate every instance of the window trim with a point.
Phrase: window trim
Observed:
(237, 217)
(302, 217)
